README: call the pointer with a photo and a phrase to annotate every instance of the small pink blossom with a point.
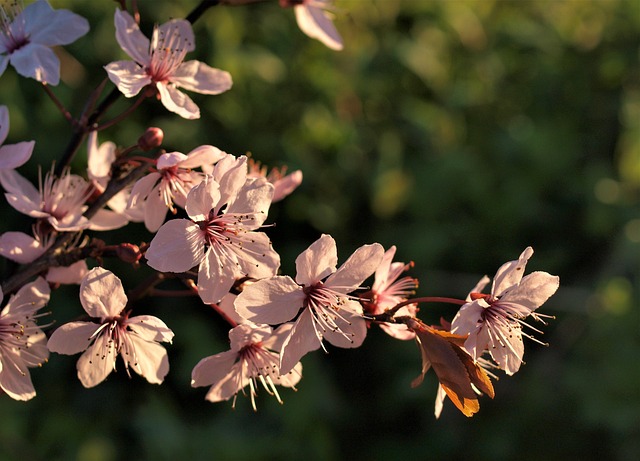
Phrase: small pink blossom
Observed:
(494, 321)
(136, 339)
(250, 361)
(388, 290)
(220, 237)
(23, 344)
(284, 184)
(160, 63)
(174, 177)
(27, 35)
(322, 292)
(24, 249)
(315, 21)
(59, 201)
(12, 155)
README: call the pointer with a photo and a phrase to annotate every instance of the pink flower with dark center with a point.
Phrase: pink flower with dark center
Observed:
(388, 290)
(27, 35)
(318, 300)
(251, 361)
(494, 321)
(220, 237)
(160, 63)
(23, 344)
(171, 182)
(135, 339)
(12, 155)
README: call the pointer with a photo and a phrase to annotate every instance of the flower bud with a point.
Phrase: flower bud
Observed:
(128, 252)
(150, 139)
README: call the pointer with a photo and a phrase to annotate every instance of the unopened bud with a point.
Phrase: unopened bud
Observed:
(151, 139)
(128, 252)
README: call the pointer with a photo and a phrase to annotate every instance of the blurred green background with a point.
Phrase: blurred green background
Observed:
(460, 131)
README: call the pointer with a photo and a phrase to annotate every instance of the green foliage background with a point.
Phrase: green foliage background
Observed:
(460, 131)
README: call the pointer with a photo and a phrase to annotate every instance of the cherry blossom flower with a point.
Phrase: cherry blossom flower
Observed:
(12, 155)
(160, 63)
(136, 339)
(220, 237)
(24, 249)
(23, 344)
(315, 21)
(250, 360)
(388, 290)
(321, 291)
(60, 201)
(27, 35)
(494, 321)
(460, 377)
(284, 184)
(157, 192)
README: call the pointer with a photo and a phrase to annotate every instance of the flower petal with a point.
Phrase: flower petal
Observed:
(16, 383)
(38, 62)
(271, 301)
(105, 220)
(150, 359)
(510, 273)
(72, 338)
(202, 199)
(314, 22)
(150, 328)
(215, 278)
(50, 27)
(130, 38)
(15, 155)
(360, 265)
(201, 78)
(303, 338)
(20, 247)
(128, 76)
(70, 275)
(178, 102)
(101, 294)
(317, 261)
(212, 369)
(97, 362)
(201, 156)
(177, 247)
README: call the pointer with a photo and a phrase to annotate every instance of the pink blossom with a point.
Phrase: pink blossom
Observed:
(59, 201)
(24, 249)
(388, 290)
(12, 155)
(494, 322)
(136, 339)
(250, 360)
(220, 237)
(27, 35)
(157, 192)
(22, 342)
(284, 184)
(160, 62)
(321, 291)
(315, 20)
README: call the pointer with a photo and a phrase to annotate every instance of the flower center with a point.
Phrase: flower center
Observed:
(12, 33)
(168, 49)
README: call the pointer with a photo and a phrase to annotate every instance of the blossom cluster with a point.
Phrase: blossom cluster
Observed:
(206, 212)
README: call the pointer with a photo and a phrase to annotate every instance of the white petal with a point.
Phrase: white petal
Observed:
(202, 199)
(20, 247)
(178, 102)
(271, 301)
(105, 220)
(177, 247)
(317, 261)
(37, 62)
(149, 361)
(510, 273)
(212, 369)
(150, 328)
(101, 294)
(316, 24)
(215, 278)
(202, 155)
(130, 39)
(51, 27)
(199, 77)
(301, 339)
(360, 265)
(70, 275)
(97, 362)
(15, 155)
(128, 76)
(72, 338)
